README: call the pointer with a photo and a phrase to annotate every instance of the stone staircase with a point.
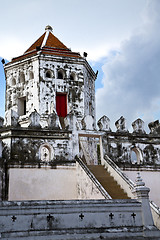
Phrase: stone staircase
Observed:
(108, 182)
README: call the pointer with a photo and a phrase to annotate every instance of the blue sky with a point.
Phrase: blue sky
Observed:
(121, 38)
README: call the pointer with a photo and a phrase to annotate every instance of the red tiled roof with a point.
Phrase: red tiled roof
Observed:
(36, 44)
(52, 41)
(49, 45)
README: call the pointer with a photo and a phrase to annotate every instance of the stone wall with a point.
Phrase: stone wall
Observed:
(120, 146)
(118, 219)
(35, 146)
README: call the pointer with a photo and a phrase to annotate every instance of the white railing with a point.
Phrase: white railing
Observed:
(120, 177)
(128, 186)
(93, 178)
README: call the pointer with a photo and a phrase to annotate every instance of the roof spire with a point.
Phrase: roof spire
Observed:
(48, 28)
(48, 41)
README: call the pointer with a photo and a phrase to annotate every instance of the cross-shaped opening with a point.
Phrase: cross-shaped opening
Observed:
(111, 215)
(49, 217)
(81, 216)
(13, 218)
(133, 215)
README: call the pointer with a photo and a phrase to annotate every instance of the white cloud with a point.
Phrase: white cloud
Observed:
(100, 51)
(132, 77)
(92, 26)
(14, 48)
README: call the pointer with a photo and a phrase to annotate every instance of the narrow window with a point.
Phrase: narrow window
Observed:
(13, 82)
(60, 75)
(90, 108)
(31, 75)
(48, 74)
(73, 76)
(22, 106)
(21, 78)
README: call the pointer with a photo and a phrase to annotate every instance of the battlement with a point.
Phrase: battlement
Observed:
(138, 125)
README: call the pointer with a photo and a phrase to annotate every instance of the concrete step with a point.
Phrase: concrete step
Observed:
(133, 233)
(108, 182)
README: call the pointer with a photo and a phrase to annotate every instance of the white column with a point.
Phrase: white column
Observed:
(142, 193)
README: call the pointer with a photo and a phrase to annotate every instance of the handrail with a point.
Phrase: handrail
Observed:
(155, 207)
(128, 181)
(118, 170)
(93, 178)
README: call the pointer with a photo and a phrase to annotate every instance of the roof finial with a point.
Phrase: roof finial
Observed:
(48, 28)
(139, 181)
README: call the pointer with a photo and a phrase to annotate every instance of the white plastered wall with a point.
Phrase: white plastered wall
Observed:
(50, 86)
(61, 183)
(42, 184)
(28, 89)
(151, 179)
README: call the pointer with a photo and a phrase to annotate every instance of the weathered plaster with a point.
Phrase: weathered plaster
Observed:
(86, 188)
(27, 88)
(119, 147)
(39, 149)
(24, 145)
(151, 179)
(42, 184)
(118, 219)
(39, 88)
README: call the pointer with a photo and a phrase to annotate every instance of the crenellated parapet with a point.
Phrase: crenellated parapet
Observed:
(154, 127)
(138, 126)
(104, 123)
(136, 148)
(121, 125)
